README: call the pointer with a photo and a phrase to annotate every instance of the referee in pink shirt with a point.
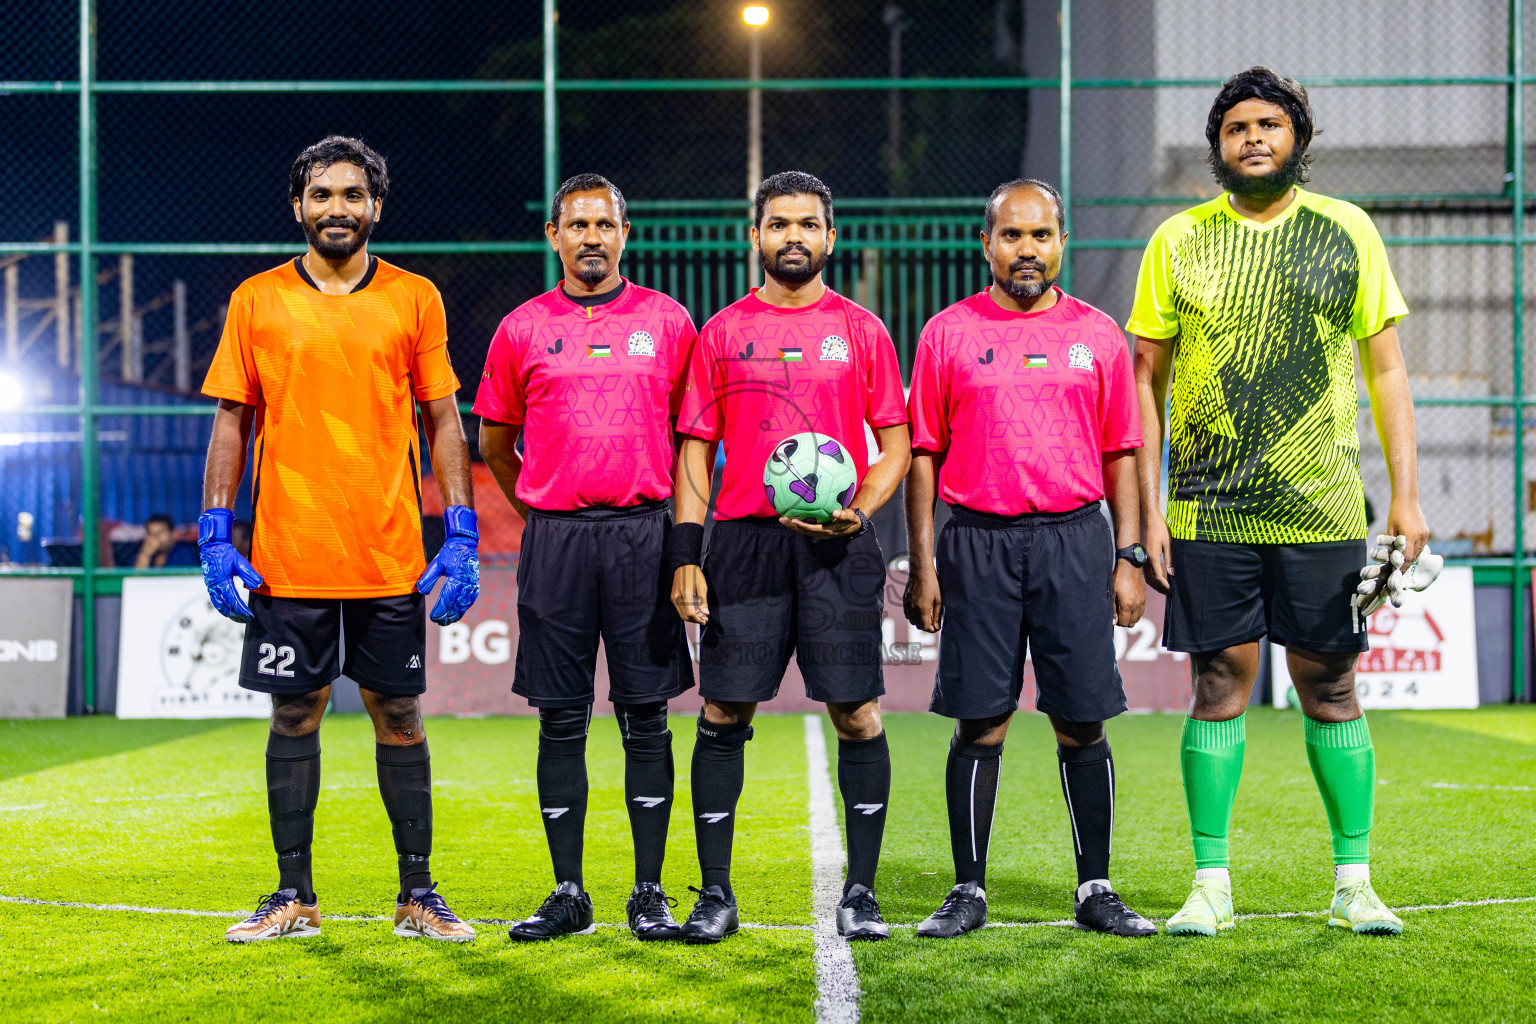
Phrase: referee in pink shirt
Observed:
(1023, 413)
(591, 374)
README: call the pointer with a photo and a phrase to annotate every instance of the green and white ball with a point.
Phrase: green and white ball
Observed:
(810, 476)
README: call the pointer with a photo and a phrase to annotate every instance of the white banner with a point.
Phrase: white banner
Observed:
(1423, 655)
(178, 657)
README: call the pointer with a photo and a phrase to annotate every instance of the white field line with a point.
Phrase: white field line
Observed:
(1502, 789)
(238, 914)
(837, 983)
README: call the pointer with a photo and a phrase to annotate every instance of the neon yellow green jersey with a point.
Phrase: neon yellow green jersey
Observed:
(1262, 441)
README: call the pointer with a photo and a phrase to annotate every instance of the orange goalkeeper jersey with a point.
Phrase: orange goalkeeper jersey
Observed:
(335, 380)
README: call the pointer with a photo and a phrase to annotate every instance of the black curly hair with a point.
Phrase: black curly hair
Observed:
(1261, 83)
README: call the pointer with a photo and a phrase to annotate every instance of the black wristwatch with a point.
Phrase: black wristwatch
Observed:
(1135, 554)
(863, 520)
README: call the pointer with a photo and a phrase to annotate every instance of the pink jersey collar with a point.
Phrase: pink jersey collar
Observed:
(754, 304)
(564, 304)
(981, 303)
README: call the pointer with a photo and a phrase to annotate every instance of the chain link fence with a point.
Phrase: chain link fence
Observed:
(912, 111)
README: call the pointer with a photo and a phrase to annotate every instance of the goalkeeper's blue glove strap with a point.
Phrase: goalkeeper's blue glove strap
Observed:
(459, 563)
(222, 563)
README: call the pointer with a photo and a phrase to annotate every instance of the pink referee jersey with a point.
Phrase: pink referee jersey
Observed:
(761, 373)
(594, 389)
(1023, 405)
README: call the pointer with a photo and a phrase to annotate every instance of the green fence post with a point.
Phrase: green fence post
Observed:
(89, 392)
(551, 130)
(1517, 378)
(1065, 93)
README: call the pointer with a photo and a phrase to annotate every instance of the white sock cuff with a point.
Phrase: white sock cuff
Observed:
(1216, 874)
(1343, 871)
(1086, 889)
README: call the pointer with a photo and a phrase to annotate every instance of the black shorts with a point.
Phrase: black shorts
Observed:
(775, 593)
(1296, 594)
(598, 574)
(1043, 580)
(295, 644)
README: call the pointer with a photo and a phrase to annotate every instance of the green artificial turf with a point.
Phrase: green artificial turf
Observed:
(173, 815)
(1431, 844)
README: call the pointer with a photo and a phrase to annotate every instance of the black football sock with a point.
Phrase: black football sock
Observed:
(719, 759)
(970, 787)
(648, 775)
(405, 783)
(1088, 783)
(562, 773)
(293, 789)
(864, 779)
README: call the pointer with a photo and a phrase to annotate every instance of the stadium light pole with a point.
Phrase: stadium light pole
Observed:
(755, 17)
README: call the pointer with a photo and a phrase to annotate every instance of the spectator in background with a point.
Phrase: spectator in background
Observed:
(160, 545)
(159, 542)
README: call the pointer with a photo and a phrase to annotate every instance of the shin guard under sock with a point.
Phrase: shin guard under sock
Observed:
(293, 790)
(970, 789)
(1344, 764)
(1211, 757)
(719, 759)
(864, 780)
(1088, 783)
(648, 777)
(405, 783)
(562, 779)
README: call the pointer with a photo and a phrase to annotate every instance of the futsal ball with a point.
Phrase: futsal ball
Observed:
(809, 476)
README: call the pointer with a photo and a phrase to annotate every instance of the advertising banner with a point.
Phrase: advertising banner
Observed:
(469, 664)
(178, 657)
(1423, 655)
(35, 620)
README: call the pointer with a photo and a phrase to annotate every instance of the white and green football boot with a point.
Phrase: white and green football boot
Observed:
(1357, 907)
(1207, 911)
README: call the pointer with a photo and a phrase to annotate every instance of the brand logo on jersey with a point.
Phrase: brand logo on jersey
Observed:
(1034, 362)
(649, 801)
(553, 812)
(745, 353)
(598, 350)
(985, 360)
(558, 345)
(715, 817)
(834, 348)
(1080, 357)
(868, 809)
(415, 661)
(642, 344)
(485, 374)
(790, 355)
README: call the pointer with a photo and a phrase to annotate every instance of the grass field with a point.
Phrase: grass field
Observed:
(173, 816)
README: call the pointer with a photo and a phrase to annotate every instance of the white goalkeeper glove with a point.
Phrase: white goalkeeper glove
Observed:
(1387, 579)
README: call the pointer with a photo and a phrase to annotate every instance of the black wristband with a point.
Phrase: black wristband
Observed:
(685, 545)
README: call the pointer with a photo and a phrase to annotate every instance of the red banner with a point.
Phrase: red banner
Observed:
(469, 664)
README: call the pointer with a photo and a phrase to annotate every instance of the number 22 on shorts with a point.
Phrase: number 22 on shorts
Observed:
(283, 656)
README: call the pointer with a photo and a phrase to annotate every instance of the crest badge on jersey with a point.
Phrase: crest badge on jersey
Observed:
(642, 344)
(1080, 357)
(834, 349)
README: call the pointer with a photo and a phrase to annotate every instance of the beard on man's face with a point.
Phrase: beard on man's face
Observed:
(789, 273)
(1270, 185)
(1026, 291)
(591, 271)
(345, 247)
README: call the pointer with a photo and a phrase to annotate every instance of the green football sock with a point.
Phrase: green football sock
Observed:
(1212, 759)
(1344, 765)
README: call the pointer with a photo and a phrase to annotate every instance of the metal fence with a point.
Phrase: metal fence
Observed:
(148, 143)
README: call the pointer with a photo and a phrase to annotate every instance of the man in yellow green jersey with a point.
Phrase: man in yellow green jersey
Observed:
(1253, 302)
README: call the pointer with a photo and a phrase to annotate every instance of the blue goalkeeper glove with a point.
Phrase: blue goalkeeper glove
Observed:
(222, 563)
(459, 561)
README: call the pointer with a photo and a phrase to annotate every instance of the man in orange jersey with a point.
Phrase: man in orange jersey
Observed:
(324, 358)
